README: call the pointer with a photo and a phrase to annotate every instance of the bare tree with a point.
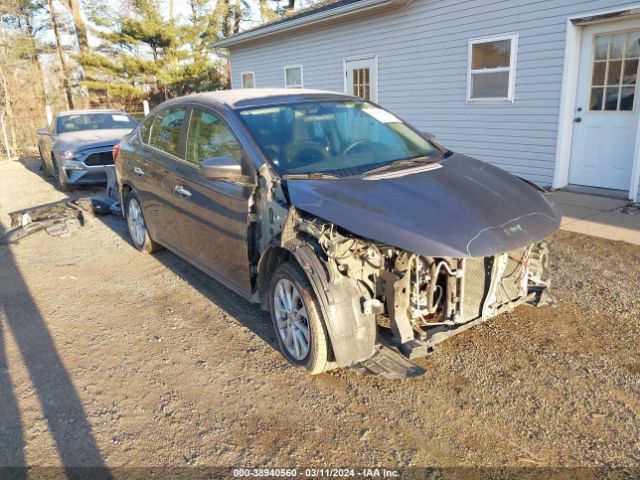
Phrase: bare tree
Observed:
(63, 64)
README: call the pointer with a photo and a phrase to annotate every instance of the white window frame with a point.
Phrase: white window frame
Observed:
(510, 98)
(288, 67)
(242, 74)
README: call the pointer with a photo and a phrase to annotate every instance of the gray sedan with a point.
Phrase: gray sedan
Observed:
(353, 228)
(78, 145)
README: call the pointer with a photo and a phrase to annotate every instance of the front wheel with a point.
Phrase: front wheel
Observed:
(300, 330)
(63, 186)
(137, 226)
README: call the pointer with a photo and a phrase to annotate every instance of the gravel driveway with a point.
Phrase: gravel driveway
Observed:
(117, 358)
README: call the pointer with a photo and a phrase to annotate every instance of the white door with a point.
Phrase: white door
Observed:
(361, 78)
(606, 116)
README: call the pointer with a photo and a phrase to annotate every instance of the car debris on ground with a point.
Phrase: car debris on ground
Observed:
(60, 219)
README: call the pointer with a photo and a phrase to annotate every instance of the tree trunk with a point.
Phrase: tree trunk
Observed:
(291, 5)
(79, 25)
(63, 64)
(237, 17)
(226, 24)
(264, 11)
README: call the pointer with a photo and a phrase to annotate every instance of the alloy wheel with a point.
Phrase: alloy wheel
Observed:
(135, 221)
(292, 319)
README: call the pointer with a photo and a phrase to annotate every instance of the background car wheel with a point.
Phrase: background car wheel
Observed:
(43, 165)
(62, 185)
(296, 315)
(137, 226)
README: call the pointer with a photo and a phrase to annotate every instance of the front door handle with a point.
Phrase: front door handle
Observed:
(139, 171)
(183, 192)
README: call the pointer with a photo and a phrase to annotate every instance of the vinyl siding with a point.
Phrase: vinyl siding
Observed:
(422, 51)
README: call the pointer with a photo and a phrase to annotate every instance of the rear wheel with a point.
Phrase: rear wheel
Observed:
(296, 315)
(137, 226)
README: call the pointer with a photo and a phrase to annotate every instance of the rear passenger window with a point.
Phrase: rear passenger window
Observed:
(165, 130)
(210, 137)
(145, 129)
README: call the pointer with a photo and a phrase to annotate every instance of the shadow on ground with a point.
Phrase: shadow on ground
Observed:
(60, 403)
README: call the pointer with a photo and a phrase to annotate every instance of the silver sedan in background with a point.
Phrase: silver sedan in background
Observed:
(78, 145)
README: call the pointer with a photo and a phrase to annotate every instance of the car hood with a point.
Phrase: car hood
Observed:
(465, 208)
(81, 140)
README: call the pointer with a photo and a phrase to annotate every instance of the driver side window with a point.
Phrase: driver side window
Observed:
(210, 137)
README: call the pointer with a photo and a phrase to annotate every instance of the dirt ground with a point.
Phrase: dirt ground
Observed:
(117, 358)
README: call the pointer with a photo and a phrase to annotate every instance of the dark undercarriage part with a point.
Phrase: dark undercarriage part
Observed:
(421, 301)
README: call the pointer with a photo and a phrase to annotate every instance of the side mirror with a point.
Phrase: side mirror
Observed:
(221, 168)
(43, 131)
(428, 136)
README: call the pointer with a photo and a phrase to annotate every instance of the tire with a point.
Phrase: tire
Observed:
(62, 185)
(46, 171)
(316, 358)
(137, 226)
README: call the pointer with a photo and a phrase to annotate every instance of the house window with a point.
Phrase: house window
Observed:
(492, 69)
(248, 80)
(293, 76)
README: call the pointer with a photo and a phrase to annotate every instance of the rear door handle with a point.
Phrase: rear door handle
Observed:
(183, 192)
(139, 171)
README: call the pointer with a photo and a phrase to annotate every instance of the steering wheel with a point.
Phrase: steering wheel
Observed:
(366, 146)
(304, 154)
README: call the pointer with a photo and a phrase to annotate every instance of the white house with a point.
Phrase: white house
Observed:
(544, 89)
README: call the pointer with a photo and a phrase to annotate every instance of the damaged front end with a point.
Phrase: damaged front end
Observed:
(419, 301)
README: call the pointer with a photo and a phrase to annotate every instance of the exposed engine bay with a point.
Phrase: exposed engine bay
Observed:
(418, 298)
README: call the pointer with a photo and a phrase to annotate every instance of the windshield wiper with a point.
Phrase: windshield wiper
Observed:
(310, 175)
(407, 162)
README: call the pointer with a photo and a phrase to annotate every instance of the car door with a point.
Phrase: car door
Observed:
(214, 214)
(153, 170)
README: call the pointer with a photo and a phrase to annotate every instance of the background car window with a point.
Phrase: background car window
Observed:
(210, 137)
(165, 130)
(94, 121)
(145, 129)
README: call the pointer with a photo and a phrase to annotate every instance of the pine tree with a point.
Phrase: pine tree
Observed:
(145, 54)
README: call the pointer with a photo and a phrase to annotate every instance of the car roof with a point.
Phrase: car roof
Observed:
(247, 97)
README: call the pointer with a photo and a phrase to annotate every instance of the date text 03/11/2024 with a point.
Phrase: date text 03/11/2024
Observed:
(315, 473)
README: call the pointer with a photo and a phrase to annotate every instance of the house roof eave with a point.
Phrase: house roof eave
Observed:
(311, 19)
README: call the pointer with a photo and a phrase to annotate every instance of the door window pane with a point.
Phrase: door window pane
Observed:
(627, 97)
(165, 132)
(596, 98)
(611, 98)
(617, 46)
(633, 45)
(361, 83)
(615, 67)
(614, 75)
(602, 47)
(210, 137)
(630, 72)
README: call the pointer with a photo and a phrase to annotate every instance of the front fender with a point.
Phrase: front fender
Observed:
(352, 333)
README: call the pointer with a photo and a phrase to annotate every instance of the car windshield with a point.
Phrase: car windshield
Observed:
(334, 137)
(94, 121)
